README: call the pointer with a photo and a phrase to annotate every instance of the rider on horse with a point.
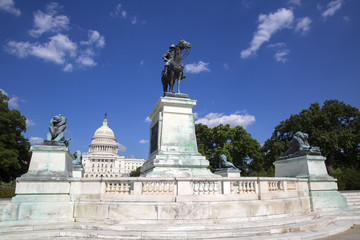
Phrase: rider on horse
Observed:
(168, 57)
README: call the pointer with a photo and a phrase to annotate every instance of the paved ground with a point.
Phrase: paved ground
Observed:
(351, 234)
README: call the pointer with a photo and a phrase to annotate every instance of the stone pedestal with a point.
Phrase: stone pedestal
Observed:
(44, 191)
(78, 172)
(227, 172)
(50, 161)
(322, 187)
(173, 149)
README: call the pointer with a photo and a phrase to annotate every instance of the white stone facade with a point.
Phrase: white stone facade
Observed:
(102, 159)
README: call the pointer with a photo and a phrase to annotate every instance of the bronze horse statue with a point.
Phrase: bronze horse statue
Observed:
(175, 68)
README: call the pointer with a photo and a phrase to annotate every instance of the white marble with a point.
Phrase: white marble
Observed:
(175, 153)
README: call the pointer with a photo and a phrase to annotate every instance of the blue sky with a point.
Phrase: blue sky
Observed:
(252, 63)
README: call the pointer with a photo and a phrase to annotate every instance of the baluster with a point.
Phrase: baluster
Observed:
(240, 187)
(231, 187)
(206, 187)
(107, 187)
(201, 187)
(127, 188)
(211, 187)
(171, 187)
(144, 188)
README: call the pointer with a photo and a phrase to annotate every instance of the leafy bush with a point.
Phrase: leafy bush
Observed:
(348, 179)
(7, 192)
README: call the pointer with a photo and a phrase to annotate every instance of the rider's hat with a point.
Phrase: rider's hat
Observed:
(172, 46)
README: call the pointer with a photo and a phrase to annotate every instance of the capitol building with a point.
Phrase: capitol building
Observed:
(103, 160)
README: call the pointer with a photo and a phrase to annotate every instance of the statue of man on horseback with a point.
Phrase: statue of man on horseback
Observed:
(174, 68)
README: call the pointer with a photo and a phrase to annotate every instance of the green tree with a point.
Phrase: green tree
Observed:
(136, 172)
(14, 147)
(334, 127)
(235, 143)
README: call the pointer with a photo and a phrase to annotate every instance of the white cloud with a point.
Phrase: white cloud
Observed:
(268, 25)
(68, 68)
(59, 48)
(56, 50)
(281, 55)
(119, 11)
(143, 141)
(9, 6)
(141, 62)
(214, 119)
(197, 67)
(30, 123)
(276, 45)
(94, 39)
(347, 19)
(13, 101)
(121, 147)
(34, 140)
(49, 21)
(331, 8)
(147, 119)
(134, 20)
(303, 25)
(226, 66)
(294, 2)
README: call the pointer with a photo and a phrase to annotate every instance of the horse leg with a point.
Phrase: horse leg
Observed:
(172, 81)
(178, 82)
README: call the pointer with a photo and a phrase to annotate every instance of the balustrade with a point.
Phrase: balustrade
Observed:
(243, 187)
(196, 186)
(205, 187)
(157, 188)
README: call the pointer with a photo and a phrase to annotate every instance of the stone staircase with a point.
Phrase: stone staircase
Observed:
(352, 198)
(310, 226)
(3, 202)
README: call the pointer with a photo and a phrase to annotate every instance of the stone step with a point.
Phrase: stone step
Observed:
(211, 231)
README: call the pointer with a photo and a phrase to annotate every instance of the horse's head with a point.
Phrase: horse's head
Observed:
(183, 44)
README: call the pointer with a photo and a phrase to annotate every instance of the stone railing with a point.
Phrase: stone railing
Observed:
(239, 187)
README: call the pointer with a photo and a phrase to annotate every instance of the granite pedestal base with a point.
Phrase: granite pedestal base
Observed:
(173, 149)
(227, 172)
(322, 187)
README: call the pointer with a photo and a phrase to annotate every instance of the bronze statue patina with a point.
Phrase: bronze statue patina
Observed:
(56, 130)
(224, 163)
(77, 162)
(300, 145)
(174, 68)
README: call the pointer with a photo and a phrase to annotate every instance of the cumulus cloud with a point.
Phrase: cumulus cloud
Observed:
(13, 101)
(147, 119)
(331, 8)
(134, 20)
(143, 141)
(94, 39)
(9, 7)
(197, 67)
(277, 45)
(268, 25)
(281, 55)
(294, 2)
(49, 21)
(34, 140)
(59, 48)
(30, 123)
(121, 147)
(303, 25)
(56, 50)
(235, 119)
(119, 11)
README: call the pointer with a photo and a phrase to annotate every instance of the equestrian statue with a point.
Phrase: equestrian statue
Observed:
(174, 69)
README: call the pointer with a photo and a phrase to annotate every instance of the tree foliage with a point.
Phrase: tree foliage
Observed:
(237, 145)
(14, 147)
(136, 172)
(334, 127)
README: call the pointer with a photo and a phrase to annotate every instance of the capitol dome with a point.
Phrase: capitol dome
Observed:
(104, 140)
